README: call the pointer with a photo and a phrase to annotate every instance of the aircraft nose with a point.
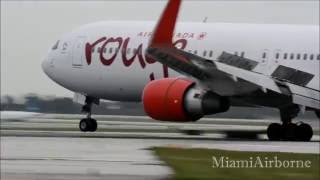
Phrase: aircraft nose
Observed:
(45, 66)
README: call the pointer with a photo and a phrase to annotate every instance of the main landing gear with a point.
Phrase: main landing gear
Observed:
(289, 131)
(88, 124)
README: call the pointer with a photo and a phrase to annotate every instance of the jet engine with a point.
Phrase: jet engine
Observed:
(180, 100)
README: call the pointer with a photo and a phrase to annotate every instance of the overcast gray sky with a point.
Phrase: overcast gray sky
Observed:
(29, 28)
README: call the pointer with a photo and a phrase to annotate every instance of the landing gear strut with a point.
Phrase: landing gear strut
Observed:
(88, 124)
(289, 131)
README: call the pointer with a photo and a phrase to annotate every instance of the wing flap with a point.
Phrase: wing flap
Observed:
(304, 96)
(305, 101)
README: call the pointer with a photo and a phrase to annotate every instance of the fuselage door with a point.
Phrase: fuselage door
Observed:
(274, 60)
(270, 60)
(264, 61)
(78, 52)
(265, 57)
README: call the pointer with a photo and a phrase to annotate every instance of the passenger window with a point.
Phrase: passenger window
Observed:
(195, 52)
(55, 46)
(242, 54)
(311, 57)
(277, 55)
(264, 55)
(64, 46)
(305, 56)
(211, 53)
(292, 56)
(298, 56)
(285, 55)
(318, 57)
(204, 53)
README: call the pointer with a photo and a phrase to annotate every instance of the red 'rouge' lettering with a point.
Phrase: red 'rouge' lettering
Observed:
(151, 76)
(123, 45)
(149, 60)
(138, 52)
(165, 71)
(89, 49)
(109, 61)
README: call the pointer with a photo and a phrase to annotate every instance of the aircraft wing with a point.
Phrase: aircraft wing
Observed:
(237, 74)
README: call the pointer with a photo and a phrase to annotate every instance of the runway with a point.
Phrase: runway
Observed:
(108, 158)
(53, 148)
(97, 158)
(62, 125)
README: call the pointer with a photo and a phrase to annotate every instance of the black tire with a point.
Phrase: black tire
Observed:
(274, 132)
(84, 125)
(317, 113)
(304, 132)
(290, 132)
(93, 125)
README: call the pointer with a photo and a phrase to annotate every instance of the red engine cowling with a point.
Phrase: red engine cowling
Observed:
(177, 99)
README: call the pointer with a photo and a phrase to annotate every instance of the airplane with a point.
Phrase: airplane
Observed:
(183, 71)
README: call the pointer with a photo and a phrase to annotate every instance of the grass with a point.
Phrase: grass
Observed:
(197, 164)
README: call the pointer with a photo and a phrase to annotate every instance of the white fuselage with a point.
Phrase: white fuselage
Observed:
(114, 75)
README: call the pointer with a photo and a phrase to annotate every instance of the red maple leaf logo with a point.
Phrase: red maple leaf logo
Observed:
(202, 35)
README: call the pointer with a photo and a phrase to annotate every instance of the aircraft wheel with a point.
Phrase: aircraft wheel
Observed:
(304, 132)
(88, 125)
(84, 125)
(318, 113)
(290, 132)
(93, 125)
(274, 132)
